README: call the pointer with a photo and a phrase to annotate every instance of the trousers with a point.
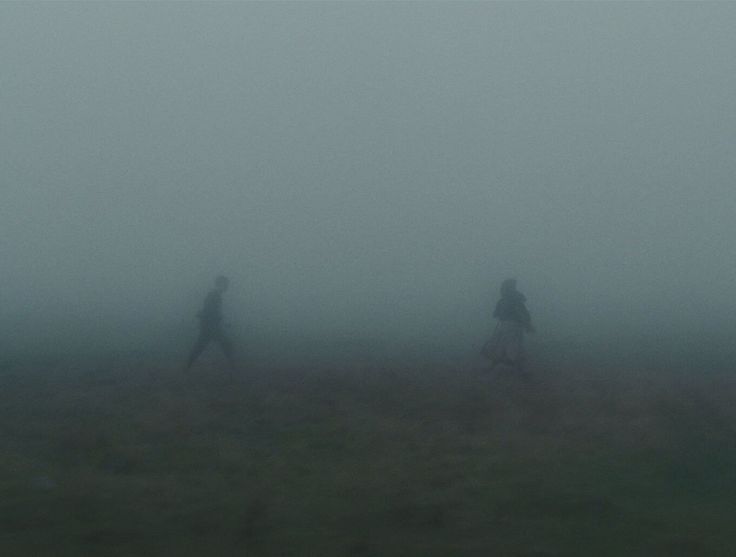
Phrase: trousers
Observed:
(208, 335)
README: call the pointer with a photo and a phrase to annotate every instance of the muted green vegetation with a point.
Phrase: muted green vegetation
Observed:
(139, 459)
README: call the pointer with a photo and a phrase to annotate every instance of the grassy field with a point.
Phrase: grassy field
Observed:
(132, 457)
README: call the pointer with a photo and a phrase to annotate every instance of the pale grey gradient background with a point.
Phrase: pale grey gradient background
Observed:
(363, 169)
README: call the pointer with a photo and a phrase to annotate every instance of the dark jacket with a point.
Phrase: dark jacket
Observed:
(512, 307)
(211, 314)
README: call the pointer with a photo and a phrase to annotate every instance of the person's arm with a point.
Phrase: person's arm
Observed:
(498, 309)
(526, 319)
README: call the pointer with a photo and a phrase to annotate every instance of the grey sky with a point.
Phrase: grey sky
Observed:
(359, 166)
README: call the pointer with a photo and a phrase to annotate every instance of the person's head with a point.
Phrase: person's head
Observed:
(221, 283)
(508, 287)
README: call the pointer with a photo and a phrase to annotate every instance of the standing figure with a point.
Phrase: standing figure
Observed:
(506, 345)
(210, 324)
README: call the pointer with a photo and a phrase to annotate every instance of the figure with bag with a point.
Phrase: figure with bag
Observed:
(506, 345)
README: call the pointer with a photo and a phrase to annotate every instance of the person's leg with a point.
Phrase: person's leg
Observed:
(495, 361)
(227, 348)
(512, 346)
(202, 341)
(520, 358)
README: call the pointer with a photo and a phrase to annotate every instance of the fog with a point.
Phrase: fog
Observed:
(364, 169)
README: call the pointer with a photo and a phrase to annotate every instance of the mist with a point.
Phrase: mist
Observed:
(252, 260)
(364, 169)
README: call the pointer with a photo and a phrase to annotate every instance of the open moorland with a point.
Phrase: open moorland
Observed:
(130, 456)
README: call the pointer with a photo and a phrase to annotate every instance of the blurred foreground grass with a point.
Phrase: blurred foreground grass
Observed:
(139, 459)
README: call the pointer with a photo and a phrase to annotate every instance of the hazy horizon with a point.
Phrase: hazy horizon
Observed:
(366, 168)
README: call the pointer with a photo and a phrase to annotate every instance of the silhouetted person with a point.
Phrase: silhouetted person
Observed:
(211, 326)
(506, 345)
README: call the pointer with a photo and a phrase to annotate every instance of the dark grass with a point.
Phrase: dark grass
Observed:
(140, 459)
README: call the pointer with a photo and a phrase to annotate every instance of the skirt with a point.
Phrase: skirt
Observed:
(506, 344)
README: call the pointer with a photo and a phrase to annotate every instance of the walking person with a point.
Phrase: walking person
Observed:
(211, 326)
(506, 345)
